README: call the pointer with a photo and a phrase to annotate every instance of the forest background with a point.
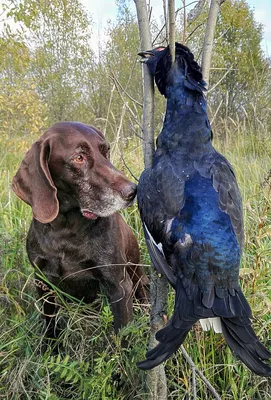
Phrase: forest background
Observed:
(50, 71)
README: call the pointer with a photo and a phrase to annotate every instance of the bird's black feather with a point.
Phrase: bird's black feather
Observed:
(189, 201)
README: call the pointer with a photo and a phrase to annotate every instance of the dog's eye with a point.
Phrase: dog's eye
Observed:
(79, 159)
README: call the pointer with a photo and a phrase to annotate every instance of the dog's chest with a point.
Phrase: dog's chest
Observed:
(70, 248)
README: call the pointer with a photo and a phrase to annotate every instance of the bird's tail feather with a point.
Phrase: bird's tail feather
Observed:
(243, 342)
(170, 339)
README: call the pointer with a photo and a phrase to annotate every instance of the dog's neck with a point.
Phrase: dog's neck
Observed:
(73, 218)
(66, 202)
(69, 212)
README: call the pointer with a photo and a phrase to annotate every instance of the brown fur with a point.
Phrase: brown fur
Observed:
(77, 238)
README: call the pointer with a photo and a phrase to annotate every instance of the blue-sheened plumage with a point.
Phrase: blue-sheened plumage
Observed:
(191, 210)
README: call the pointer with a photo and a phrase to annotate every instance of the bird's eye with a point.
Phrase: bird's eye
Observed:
(79, 159)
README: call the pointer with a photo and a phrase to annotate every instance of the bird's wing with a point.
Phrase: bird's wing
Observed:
(158, 258)
(220, 170)
(160, 197)
(230, 201)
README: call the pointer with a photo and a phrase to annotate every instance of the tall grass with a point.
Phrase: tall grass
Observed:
(90, 362)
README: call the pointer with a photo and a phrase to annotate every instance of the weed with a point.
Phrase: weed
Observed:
(92, 362)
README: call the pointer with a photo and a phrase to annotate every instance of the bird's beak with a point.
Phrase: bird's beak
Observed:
(145, 55)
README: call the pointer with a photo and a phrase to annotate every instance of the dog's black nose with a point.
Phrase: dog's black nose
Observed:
(129, 191)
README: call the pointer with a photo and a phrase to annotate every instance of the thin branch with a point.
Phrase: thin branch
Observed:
(165, 17)
(134, 131)
(184, 22)
(108, 109)
(194, 383)
(218, 68)
(171, 19)
(223, 34)
(216, 112)
(209, 38)
(149, 12)
(163, 26)
(135, 64)
(195, 12)
(220, 80)
(126, 166)
(112, 75)
(116, 142)
(148, 84)
(194, 30)
(123, 90)
(199, 373)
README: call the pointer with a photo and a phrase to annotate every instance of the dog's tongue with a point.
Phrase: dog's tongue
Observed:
(89, 214)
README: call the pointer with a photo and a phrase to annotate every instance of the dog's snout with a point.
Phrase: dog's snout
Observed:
(129, 191)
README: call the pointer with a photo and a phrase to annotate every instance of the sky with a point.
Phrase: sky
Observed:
(103, 10)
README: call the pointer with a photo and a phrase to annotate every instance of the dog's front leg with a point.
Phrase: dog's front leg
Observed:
(119, 293)
(49, 308)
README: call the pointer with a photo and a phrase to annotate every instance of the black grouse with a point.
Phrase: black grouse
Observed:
(191, 210)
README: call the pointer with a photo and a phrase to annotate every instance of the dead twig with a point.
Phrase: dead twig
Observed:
(134, 131)
(200, 374)
(118, 86)
(128, 168)
(124, 91)
(193, 31)
(216, 112)
(163, 26)
(220, 80)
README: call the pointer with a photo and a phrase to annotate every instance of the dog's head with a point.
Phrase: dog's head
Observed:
(69, 167)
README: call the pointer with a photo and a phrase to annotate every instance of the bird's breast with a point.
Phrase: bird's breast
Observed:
(201, 222)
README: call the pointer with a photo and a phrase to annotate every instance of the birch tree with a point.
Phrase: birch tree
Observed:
(156, 378)
(209, 38)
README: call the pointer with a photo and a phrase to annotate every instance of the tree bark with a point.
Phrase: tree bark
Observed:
(209, 38)
(171, 17)
(156, 379)
(148, 85)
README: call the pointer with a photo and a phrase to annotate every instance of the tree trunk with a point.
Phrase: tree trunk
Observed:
(156, 379)
(148, 85)
(171, 17)
(209, 38)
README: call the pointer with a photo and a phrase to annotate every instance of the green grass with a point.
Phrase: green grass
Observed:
(91, 363)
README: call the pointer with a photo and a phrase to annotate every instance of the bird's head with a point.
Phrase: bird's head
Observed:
(152, 57)
(159, 62)
(156, 61)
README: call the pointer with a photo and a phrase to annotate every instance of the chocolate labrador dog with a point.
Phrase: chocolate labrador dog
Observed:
(77, 238)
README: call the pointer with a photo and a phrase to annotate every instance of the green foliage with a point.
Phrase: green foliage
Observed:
(22, 111)
(92, 361)
(238, 51)
(49, 72)
(57, 36)
(14, 56)
(69, 371)
(120, 69)
(239, 71)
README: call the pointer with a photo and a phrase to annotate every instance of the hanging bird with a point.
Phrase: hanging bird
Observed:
(191, 210)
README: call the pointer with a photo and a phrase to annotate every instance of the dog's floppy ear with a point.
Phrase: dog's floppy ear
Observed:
(34, 185)
(97, 130)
